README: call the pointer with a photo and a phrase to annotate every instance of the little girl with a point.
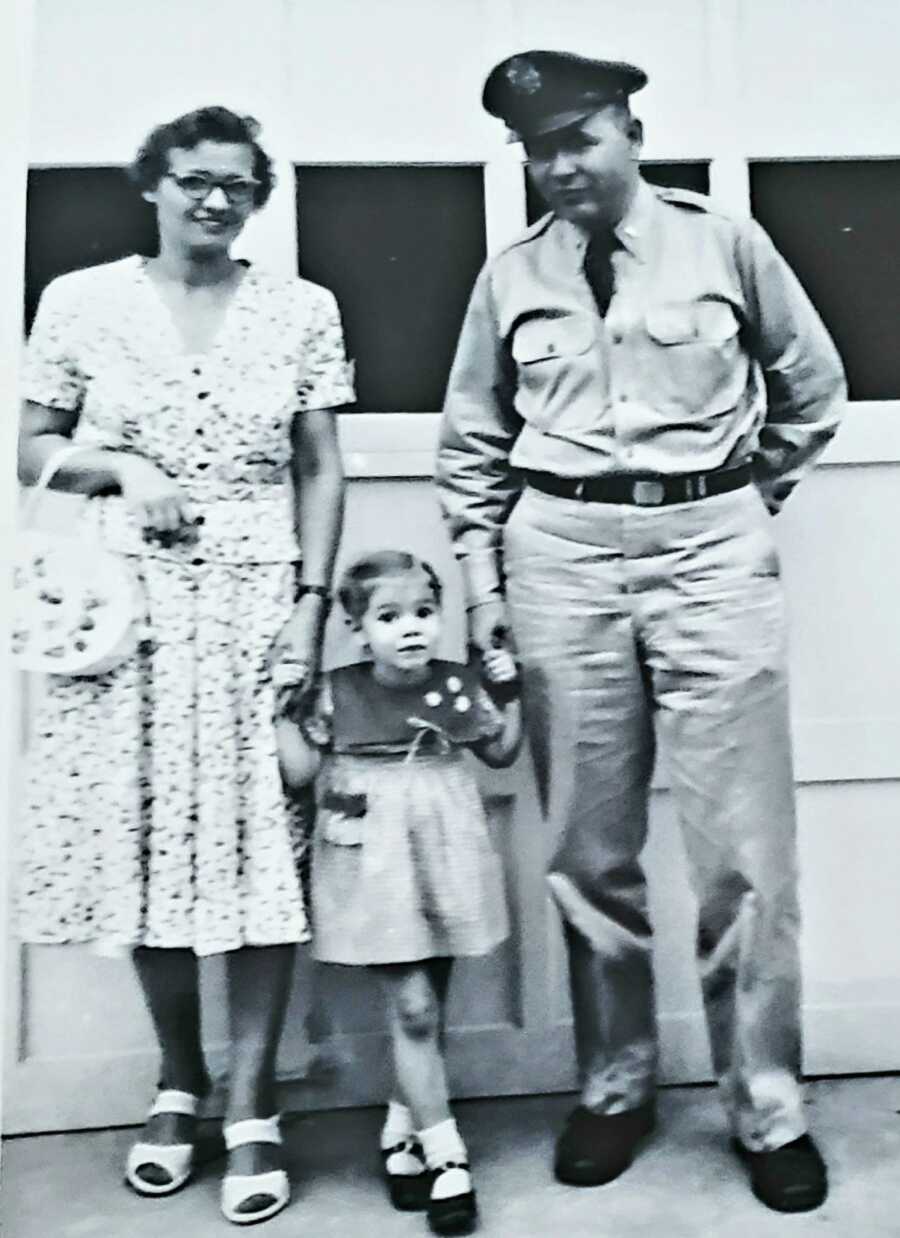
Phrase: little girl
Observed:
(405, 877)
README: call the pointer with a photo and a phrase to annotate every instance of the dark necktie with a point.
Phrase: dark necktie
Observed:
(598, 268)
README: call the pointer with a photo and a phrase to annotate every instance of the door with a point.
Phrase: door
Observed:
(79, 1046)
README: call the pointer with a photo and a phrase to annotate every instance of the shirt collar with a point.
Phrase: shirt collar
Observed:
(632, 231)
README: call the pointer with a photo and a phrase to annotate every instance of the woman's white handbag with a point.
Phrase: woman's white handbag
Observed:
(78, 609)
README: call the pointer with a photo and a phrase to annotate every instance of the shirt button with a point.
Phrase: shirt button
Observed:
(196, 371)
(617, 337)
(551, 348)
(202, 395)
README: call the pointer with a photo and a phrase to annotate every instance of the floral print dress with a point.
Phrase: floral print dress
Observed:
(154, 811)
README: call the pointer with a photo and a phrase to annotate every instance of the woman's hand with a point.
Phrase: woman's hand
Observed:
(297, 649)
(158, 502)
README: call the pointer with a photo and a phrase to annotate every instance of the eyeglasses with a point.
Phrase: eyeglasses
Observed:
(236, 189)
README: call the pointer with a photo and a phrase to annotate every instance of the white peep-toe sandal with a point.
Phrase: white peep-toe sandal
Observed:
(237, 1189)
(174, 1159)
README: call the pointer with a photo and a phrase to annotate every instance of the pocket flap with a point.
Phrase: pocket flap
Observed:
(690, 322)
(543, 339)
(341, 816)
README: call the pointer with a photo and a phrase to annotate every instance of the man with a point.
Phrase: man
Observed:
(640, 380)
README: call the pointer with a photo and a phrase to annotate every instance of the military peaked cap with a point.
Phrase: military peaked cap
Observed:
(537, 92)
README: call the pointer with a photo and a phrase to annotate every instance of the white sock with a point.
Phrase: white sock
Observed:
(443, 1143)
(398, 1129)
(398, 1124)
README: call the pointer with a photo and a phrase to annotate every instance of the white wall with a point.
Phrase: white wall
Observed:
(382, 80)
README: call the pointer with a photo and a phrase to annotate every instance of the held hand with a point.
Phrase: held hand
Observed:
(500, 676)
(489, 626)
(499, 666)
(159, 503)
(296, 651)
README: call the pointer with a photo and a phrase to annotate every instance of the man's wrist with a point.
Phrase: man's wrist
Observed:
(495, 599)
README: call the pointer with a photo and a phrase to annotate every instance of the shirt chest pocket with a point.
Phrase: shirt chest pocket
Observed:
(701, 322)
(695, 359)
(548, 353)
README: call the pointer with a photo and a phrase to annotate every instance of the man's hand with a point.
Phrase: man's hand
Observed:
(489, 626)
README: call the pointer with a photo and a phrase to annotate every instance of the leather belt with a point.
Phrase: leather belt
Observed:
(645, 491)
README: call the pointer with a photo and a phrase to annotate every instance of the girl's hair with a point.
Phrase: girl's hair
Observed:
(206, 124)
(362, 578)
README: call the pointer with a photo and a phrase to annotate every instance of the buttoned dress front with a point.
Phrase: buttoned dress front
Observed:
(636, 622)
(154, 812)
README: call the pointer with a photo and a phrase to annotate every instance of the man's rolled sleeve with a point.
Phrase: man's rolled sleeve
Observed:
(475, 484)
(805, 386)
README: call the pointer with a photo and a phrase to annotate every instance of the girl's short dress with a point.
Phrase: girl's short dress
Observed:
(403, 865)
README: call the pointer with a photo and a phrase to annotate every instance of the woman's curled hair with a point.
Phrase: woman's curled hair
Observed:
(205, 124)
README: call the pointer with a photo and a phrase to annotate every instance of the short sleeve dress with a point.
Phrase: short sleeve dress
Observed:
(404, 867)
(154, 812)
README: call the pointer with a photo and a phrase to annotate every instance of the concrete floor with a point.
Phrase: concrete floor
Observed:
(686, 1184)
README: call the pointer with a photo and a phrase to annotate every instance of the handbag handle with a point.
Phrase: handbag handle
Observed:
(51, 467)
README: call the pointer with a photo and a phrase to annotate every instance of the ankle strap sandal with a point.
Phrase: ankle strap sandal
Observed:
(170, 1163)
(268, 1192)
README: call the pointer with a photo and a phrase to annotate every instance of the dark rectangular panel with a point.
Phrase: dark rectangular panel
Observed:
(693, 176)
(837, 222)
(77, 217)
(400, 247)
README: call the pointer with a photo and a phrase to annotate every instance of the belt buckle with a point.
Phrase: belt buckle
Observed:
(646, 492)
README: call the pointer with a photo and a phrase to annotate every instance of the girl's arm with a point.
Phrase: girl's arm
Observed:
(299, 760)
(501, 750)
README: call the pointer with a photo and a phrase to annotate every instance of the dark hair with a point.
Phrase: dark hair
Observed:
(361, 579)
(206, 124)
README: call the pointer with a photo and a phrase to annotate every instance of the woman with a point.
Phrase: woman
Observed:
(201, 388)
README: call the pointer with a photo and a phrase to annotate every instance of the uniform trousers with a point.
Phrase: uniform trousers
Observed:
(635, 624)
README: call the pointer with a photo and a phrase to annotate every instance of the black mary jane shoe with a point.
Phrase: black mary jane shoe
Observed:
(408, 1192)
(456, 1214)
(594, 1148)
(792, 1178)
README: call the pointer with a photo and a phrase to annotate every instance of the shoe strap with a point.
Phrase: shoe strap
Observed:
(409, 1144)
(252, 1130)
(170, 1100)
(450, 1181)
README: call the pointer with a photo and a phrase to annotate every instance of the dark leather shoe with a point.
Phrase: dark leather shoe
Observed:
(792, 1178)
(408, 1192)
(595, 1148)
(453, 1214)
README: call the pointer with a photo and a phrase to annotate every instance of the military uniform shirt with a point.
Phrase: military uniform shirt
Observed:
(710, 356)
